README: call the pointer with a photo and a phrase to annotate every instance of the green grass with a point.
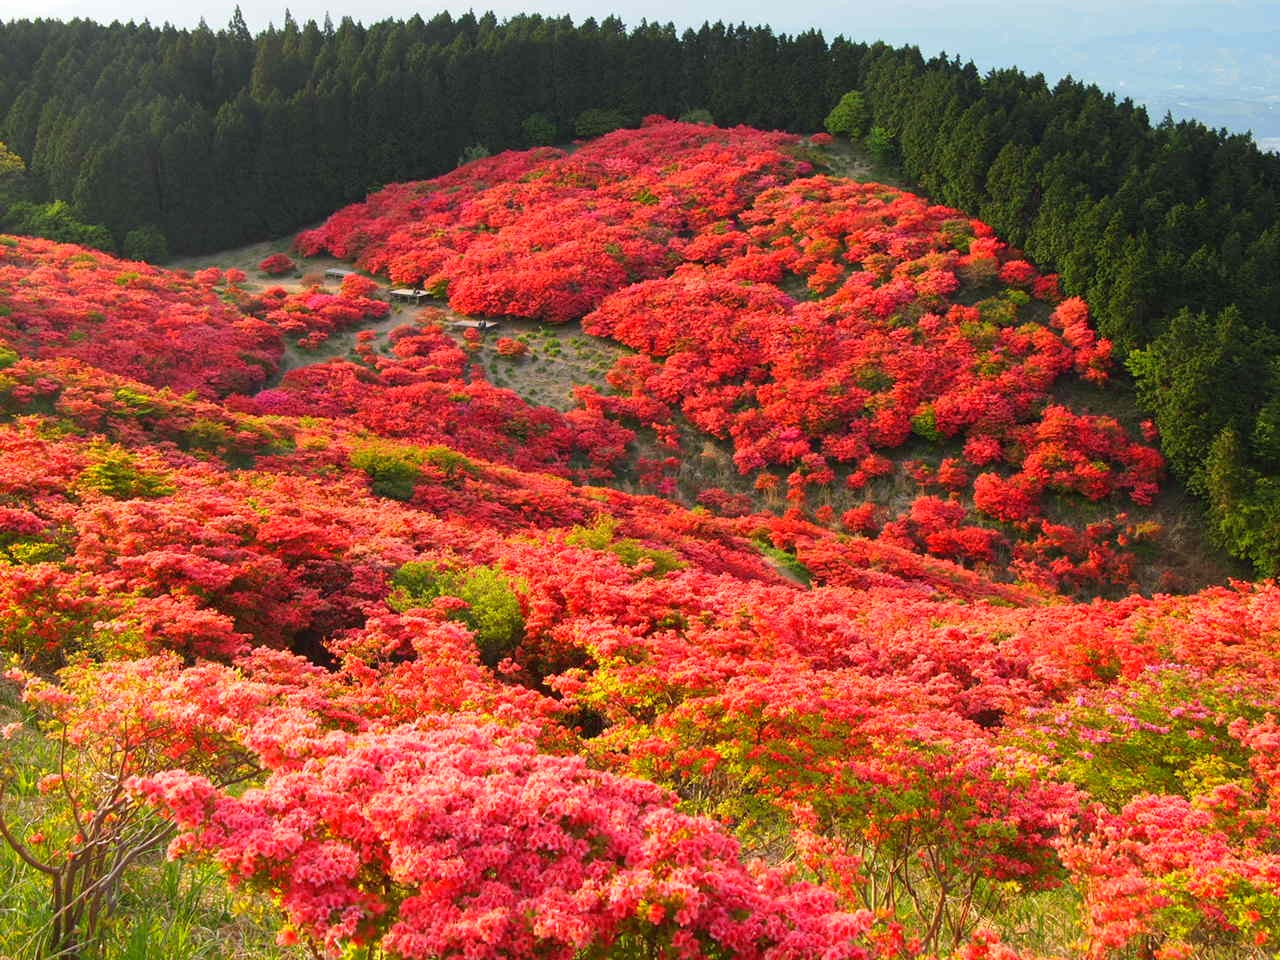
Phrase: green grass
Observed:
(169, 911)
(1047, 922)
(165, 910)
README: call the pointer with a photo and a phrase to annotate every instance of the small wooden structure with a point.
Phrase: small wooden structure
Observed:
(472, 323)
(336, 274)
(407, 295)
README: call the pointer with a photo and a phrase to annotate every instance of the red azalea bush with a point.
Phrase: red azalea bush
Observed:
(277, 265)
(464, 839)
(355, 286)
(489, 708)
(158, 326)
(316, 314)
(508, 347)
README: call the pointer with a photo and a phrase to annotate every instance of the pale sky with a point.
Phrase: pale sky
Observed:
(930, 23)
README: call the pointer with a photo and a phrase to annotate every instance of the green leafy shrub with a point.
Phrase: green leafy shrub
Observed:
(493, 611)
(146, 243)
(601, 536)
(472, 152)
(56, 221)
(206, 434)
(393, 470)
(925, 423)
(449, 461)
(849, 117)
(787, 562)
(137, 402)
(882, 145)
(114, 471)
(538, 130)
(597, 121)
(698, 115)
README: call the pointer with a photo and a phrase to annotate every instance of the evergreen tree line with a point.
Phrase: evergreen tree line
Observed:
(218, 138)
(1169, 231)
(148, 138)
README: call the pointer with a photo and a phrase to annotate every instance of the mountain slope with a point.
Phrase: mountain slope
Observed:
(486, 708)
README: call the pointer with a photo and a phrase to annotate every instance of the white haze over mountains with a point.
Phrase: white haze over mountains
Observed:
(1218, 62)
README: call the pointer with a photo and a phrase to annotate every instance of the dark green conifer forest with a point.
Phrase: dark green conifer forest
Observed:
(151, 141)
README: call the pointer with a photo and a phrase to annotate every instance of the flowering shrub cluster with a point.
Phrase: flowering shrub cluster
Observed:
(426, 392)
(466, 840)
(315, 314)
(810, 322)
(486, 709)
(133, 319)
(277, 265)
(544, 235)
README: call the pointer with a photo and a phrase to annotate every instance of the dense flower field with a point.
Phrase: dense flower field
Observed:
(812, 323)
(484, 708)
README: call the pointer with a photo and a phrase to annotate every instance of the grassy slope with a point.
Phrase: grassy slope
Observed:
(167, 911)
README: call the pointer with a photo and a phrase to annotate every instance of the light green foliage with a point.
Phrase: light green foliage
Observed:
(788, 561)
(925, 423)
(449, 461)
(56, 221)
(493, 611)
(849, 117)
(698, 115)
(1001, 311)
(416, 584)
(474, 151)
(882, 145)
(393, 470)
(165, 910)
(11, 164)
(8, 356)
(538, 130)
(114, 471)
(24, 552)
(597, 121)
(206, 435)
(12, 177)
(139, 403)
(1165, 732)
(146, 243)
(958, 233)
(601, 535)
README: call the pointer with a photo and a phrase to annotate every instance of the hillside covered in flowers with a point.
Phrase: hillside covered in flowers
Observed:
(427, 671)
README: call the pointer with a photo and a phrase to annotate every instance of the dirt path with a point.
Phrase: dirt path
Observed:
(558, 359)
(248, 258)
(852, 161)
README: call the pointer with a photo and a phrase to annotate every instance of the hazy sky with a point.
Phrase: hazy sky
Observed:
(987, 24)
